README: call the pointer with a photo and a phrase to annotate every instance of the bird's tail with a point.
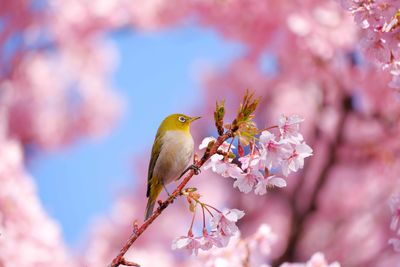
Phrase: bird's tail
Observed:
(154, 191)
(149, 208)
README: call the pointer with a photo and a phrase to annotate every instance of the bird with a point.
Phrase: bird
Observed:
(171, 154)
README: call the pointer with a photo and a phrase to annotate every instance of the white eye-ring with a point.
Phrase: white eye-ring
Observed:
(182, 119)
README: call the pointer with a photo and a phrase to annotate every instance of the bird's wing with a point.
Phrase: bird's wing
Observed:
(155, 152)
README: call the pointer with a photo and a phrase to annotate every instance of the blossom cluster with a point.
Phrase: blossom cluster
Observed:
(28, 236)
(253, 250)
(380, 21)
(223, 227)
(284, 153)
(395, 222)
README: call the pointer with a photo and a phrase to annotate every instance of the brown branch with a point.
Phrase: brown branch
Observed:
(119, 259)
(299, 217)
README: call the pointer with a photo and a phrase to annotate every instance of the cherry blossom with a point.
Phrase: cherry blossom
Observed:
(263, 239)
(220, 165)
(225, 222)
(230, 255)
(379, 21)
(28, 236)
(223, 225)
(224, 147)
(287, 153)
(187, 242)
(214, 163)
(253, 250)
(206, 141)
(216, 239)
(272, 151)
(208, 241)
(296, 159)
(269, 182)
(246, 181)
(289, 127)
(250, 161)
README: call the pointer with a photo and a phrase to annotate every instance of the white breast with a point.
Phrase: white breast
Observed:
(175, 155)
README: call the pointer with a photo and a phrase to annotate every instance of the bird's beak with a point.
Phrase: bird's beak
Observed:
(192, 119)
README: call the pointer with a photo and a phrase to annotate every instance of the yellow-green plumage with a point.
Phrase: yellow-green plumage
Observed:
(172, 152)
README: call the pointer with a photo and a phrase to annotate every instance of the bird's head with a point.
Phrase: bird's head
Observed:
(177, 122)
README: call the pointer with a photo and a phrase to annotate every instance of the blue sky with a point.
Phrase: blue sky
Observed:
(156, 77)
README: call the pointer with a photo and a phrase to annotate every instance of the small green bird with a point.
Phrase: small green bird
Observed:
(172, 152)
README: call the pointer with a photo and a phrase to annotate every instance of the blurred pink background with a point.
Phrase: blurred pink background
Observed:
(84, 85)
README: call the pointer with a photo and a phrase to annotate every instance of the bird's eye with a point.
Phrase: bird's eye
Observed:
(182, 119)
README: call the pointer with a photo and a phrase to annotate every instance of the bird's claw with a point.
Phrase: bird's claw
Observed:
(166, 190)
(195, 168)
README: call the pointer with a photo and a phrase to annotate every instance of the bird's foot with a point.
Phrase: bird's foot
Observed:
(195, 168)
(166, 190)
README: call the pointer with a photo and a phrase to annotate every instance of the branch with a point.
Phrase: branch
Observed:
(119, 259)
